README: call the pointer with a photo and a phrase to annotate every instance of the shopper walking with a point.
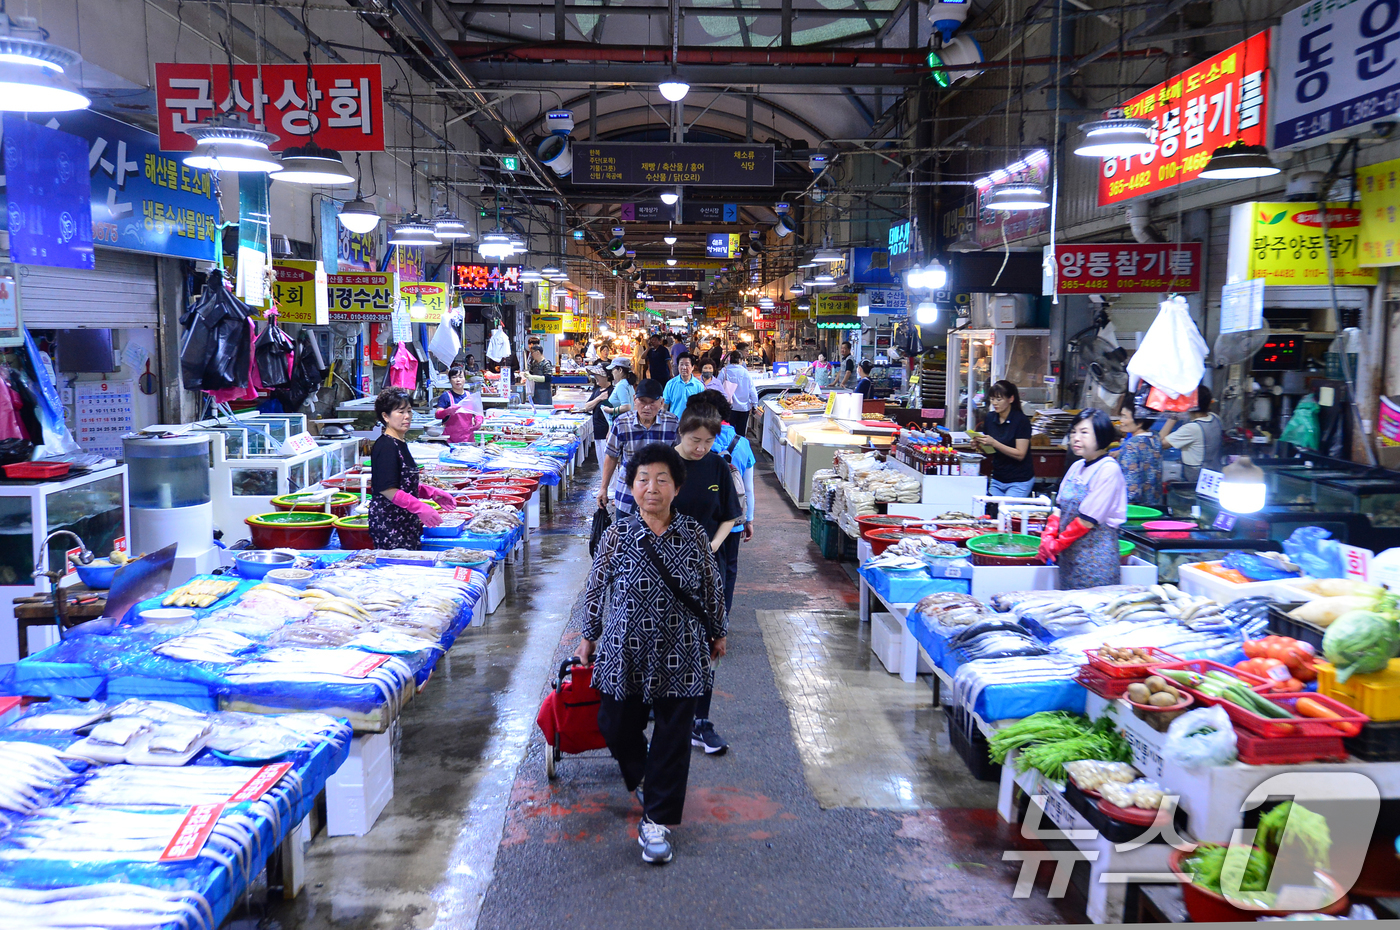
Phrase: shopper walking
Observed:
(1199, 440)
(624, 391)
(707, 371)
(1082, 533)
(1140, 457)
(737, 451)
(683, 386)
(602, 388)
(737, 385)
(646, 423)
(655, 617)
(397, 511)
(658, 361)
(1006, 434)
(460, 412)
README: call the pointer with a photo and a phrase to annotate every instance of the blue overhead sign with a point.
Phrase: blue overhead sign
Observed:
(50, 220)
(717, 246)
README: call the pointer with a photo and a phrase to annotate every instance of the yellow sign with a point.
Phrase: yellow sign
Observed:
(362, 296)
(300, 292)
(1380, 213)
(541, 296)
(1283, 244)
(637, 306)
(836, 304)
(431, 294)
(551, 324)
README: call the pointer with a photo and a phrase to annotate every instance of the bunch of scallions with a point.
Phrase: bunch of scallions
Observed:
(1047, 740)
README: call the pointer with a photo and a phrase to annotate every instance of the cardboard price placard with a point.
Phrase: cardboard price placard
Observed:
(192, 833)
(362, 667)
(261, 782)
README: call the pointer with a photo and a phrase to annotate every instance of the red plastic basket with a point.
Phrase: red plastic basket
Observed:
(1102, 685)
(1136, 669)
(1201, 666)
(1300, 726)
(1293, 750)
(36, 471)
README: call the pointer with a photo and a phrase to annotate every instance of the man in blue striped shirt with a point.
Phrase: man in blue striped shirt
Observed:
(645, 423)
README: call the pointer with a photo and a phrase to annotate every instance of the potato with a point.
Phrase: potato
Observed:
(1139, 693)
(1156, 683)
(1163, 699)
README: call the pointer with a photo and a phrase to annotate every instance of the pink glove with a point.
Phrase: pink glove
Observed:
(439, 495)
(413, 505)
(442, 413)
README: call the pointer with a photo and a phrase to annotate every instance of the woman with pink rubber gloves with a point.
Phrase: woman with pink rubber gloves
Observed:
(399, 509)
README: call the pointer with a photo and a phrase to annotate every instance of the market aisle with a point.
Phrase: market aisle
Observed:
(908, 837)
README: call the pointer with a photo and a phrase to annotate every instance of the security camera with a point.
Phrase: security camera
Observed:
(947, 15)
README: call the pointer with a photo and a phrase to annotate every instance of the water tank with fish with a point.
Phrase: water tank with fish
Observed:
(170, 500)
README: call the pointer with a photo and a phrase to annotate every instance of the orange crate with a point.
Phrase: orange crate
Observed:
(1375, 694)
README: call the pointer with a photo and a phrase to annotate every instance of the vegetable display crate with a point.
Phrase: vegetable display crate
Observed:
(1102, 685)
(1139, 670)
(1111, 828)
(1257, 724)
(1375, 694)
(971, 745)
(1204, 666)
(1377, 742)
(1294, 750)
(1301, 630)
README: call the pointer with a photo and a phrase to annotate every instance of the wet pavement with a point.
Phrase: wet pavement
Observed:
(839, 804)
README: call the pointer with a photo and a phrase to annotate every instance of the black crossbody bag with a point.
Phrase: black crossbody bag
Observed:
(687, 600)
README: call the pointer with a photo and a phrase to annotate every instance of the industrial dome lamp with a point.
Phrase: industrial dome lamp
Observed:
(413, 231)
(34, 72)
(313, 164)
(1238, 161)
(1117, 135)
(231, 143)
(670, 197)
(1018, 196)
(673, 89)
(359, 215)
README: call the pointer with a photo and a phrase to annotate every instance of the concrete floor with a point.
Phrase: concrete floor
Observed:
(839, 804)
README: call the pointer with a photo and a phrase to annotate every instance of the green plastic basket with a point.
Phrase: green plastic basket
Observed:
(1138, 513)
(985, 545)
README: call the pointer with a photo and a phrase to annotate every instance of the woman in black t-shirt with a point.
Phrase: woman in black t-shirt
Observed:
(707, 495)
(398, 511)
(1007, 436)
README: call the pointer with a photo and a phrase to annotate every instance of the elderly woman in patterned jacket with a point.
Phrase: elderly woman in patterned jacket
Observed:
(654, 612)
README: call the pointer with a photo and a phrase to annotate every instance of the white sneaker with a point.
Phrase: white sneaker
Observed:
(656, 848)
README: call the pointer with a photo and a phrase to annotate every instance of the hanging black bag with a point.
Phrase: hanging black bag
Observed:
(217, 346)
(601, 522)
(273, 355)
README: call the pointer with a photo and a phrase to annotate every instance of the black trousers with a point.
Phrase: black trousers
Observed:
(739, 419)
(664, 765)
(728, 557)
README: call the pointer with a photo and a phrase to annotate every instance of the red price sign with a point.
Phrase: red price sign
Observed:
(194, 830)
(1356, 562)
(363, 667)
(68, 558)
(261, 782)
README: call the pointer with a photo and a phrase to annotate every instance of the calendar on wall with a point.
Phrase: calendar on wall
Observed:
(103, 416)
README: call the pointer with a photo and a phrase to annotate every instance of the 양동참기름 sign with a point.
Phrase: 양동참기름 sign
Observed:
(1283, 244)
(1336, 70)
(1217, 102)
(1124, 268)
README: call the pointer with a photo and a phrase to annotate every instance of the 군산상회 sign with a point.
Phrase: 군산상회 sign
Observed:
(301, 292)
(693, 163)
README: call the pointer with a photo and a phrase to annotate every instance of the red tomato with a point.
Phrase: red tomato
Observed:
(1291, 685)
(1305, 673)
(1252, 648)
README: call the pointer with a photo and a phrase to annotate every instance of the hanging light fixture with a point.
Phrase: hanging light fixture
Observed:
(231, 143)
(826, 255)
(926, 312)
(1117, 135)
(496, 244)
(1237, 161)
(669, 240)
(549, 271)
(674, 89)
(312, 164)
(965, 243)
(1018, 196)
(824, 279)
(359, 215)
(448, 226)
(671, 262)
(517, 245)
(596, 295)
(33, 72)
(1242, 486)
(530, 276)
(413, 231)
(670, 197)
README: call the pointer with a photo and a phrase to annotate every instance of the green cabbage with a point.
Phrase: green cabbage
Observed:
(1361, 641)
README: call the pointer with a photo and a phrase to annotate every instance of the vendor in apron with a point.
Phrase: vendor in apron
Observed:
(397, 512)
(1081, 536)
(460, 412)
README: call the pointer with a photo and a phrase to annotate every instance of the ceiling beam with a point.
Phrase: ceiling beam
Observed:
(505, 7)
(571, 73)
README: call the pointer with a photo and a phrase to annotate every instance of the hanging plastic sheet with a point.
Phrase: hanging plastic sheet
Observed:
(1172, 353)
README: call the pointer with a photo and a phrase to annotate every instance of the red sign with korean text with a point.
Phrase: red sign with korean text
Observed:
(363, 667)
(261, 782)
(343, 104)
(1219, 101)
(194, 830)
(1127, 268)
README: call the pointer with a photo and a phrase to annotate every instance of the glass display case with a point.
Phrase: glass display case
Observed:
(979, 357)
(1377, 498)
(1298, 485)
(1169, 550)
(94, 506)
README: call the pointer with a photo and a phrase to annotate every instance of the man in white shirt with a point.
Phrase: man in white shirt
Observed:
(736, 384)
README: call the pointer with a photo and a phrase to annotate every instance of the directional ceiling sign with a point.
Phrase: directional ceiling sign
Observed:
(693, 164)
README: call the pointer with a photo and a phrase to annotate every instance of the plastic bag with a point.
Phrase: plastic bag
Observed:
(1158, 399)
(1315, 552)
(1091, 774)
(403, 370)
(445, 345)
(1257, 568)
(1200, 738)
(216, 349)
(272, 355)
(1172, 353)
(1302, 429)
(1142, 793)
(498, 347)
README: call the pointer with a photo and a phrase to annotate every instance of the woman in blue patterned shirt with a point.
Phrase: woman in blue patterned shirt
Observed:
(1140, 457)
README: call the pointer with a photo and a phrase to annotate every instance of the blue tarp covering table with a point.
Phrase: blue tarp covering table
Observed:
(218, 884)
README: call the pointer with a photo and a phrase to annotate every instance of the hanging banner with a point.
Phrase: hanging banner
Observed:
(1219, 101)
(407, 261)
(542, 298)
(49, 194)
(1380, 213)
(550, 324)
(343, 104)
(300, 292)
(836, 304)
(431, 295)
(1124, 268)
(356, 251)
(1283, 244)
(361, 298)
(886, 300)
(1336, 70)
(995, 225)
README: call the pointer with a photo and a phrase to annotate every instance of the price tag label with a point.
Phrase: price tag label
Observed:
(192, 833)
(1356, 562)
(301, 442)
(362, 667)
(119, 544)
(462, 574)
(68, 558)
(1224, 521)
(261, 782)
(1208, 484)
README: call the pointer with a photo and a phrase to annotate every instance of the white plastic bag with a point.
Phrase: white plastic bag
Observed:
(445, 345)
(498, 347)
(1200, 738)
(1172, 353)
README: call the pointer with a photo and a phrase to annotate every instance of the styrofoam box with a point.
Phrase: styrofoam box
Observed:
(1193, 580)
(887, 642)
(359, 791)
(987, 580)
(495, 586)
